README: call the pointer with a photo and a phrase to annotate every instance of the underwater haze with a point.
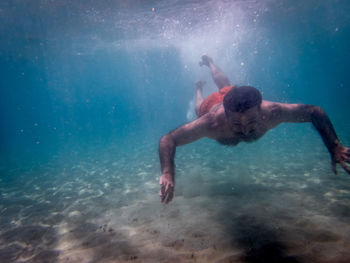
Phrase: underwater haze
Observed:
(89, 87)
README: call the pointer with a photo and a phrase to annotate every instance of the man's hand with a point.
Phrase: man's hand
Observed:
(167, 188)
(341, 155)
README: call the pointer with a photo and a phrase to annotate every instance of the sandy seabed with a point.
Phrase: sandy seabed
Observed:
(102, 210)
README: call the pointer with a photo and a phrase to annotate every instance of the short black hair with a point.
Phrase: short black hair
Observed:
(242, 98)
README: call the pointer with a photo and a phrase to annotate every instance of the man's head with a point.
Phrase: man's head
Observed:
(240, 99)
(242, 108)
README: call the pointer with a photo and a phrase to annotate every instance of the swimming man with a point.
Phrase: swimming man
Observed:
(237, 114)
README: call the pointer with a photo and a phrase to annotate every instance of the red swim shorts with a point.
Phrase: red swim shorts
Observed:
(213, 99)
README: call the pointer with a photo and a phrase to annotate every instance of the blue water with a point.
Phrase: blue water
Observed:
(87, 90)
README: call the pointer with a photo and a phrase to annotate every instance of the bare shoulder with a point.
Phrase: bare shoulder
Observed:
(215, 120)
(201, 126)
(287, 112)
(191, 131)
(276, 112)
(271, 109)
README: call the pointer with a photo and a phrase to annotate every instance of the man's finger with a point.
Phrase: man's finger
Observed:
(170, 194)
(162, 192)
(165, 198)
(345, 167)
(170, 197)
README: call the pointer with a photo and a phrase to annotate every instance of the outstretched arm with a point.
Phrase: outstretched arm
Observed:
(167, 145)
(320, 120)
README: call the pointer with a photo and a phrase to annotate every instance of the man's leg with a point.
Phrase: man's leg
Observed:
(199, 97)
(218, 75)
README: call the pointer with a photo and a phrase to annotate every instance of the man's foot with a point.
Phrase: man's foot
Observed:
(199, 85)
(206, 60)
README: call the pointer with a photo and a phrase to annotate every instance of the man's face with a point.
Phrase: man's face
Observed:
(244, 124)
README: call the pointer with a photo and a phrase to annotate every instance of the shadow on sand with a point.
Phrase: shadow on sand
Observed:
(260, 244)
